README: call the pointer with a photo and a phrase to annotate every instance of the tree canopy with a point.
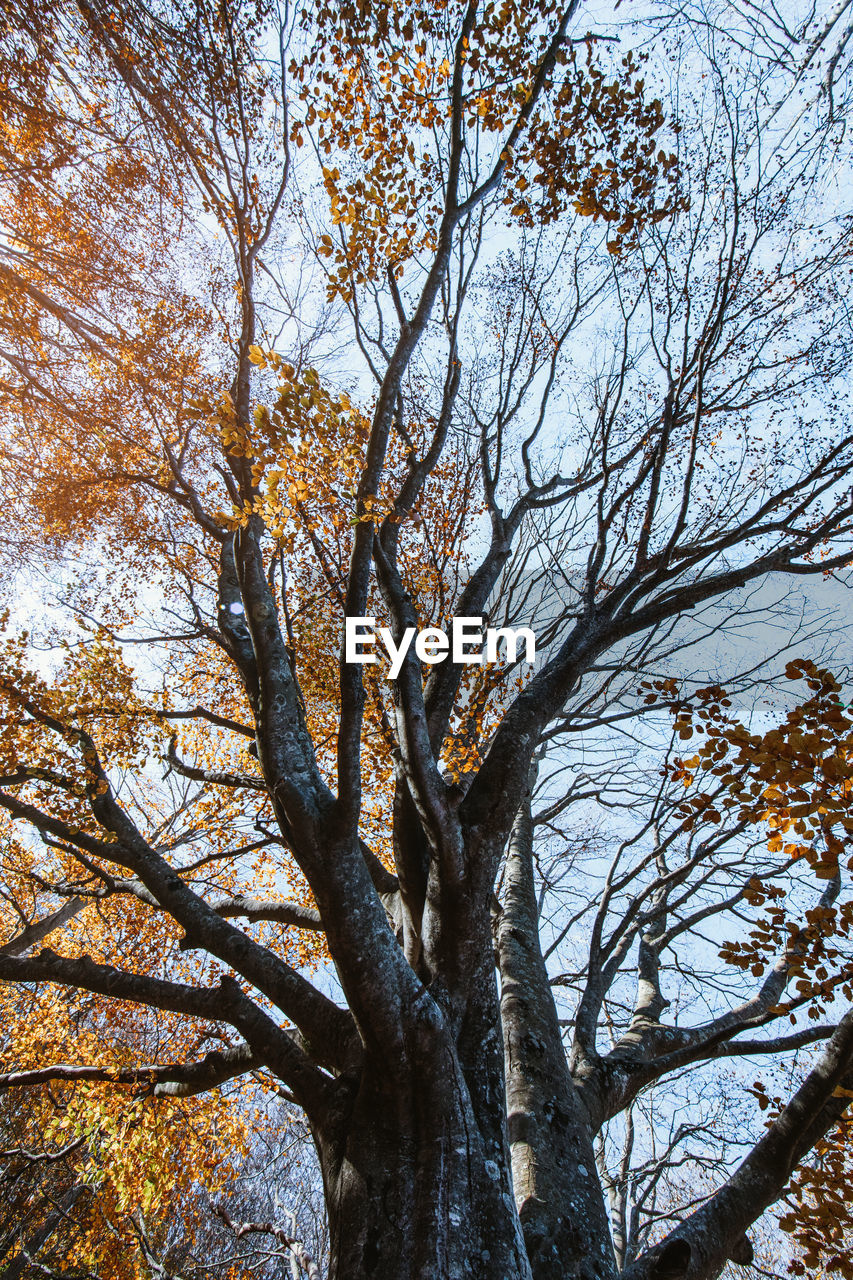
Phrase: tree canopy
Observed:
(411, 312)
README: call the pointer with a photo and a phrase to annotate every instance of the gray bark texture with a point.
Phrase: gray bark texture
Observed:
(460, 1122)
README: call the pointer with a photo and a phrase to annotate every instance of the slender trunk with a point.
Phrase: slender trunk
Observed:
(560, 1201)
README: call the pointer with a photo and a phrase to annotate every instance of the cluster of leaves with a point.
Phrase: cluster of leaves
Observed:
(796, 777)
(135, 1162)
(309, 448)
(46, 721)
(794, 781)
(90, 300)
(145, 1166)
(395, 81)
(818, 1204)
(306, 454)
(820, 1207)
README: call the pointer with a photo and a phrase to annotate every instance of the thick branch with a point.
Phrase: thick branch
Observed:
(41, 929)
(255, 909)
(177, 1080)
(553, 1161)
(226, 1002)
(709, 1237)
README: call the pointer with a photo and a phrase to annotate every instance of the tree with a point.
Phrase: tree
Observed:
(601, 341)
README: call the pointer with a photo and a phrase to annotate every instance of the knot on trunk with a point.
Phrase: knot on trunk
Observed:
(742, 1251)
(671, 1262)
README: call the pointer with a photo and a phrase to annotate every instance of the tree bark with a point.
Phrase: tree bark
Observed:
(699, 1247)
(23, 1261)
(411, 1189)
(559, 1198)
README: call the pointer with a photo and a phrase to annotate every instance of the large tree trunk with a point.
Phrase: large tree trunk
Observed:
(557, 1190)
(411, 1189)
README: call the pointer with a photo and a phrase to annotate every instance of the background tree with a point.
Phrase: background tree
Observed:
(593, 378)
